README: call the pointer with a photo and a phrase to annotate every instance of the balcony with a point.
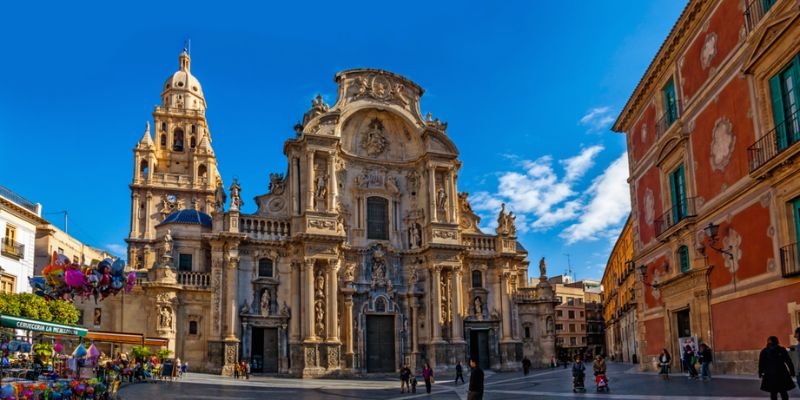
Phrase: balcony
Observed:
(674, 216)
(264, 228)
(790, 266)
(479, 243)
(784, 136)
(195, 279)
(669, 118)
(755, 12)
(11, 248)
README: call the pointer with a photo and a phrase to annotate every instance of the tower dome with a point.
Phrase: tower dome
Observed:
(182, 90)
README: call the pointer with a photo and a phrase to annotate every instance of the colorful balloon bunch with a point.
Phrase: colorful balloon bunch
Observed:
(59, 390)
(63, 279)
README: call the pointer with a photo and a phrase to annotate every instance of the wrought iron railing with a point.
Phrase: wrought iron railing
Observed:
(675, 215)
(12, 249)
(669, 118)
(783, 136)
(754, 12)
(790, 265)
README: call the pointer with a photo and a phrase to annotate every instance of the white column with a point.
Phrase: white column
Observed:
(332, 188)
(506, 306)
(432, 192)
(458, 326)
(436, 303)
(332, 303)
(230, 296)
(453, 196)
(135, 215)
(310, 182)
(308, 307)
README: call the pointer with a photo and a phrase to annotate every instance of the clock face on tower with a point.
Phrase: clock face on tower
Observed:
(171, 198)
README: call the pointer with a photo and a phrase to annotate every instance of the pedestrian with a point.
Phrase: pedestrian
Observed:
(797, 353)
(475, 390)
(775, 369)
(552, 361)
(526, 365)
(705, 358)
(247, 368)
(578, 374)
(459, 373)
(599, 366)
(664, 361)
(237, 370)
(405, 376)
(427, 375)
(688, 361)
(414, 383)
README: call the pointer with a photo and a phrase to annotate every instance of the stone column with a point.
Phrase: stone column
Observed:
(348, 323)
(135, 215)
(332, 302)
(332, 188)
(310, 182)
(296, 294)
(432, 192)
(230, 297)
(436, 299)
(414, 325)
(458, 326)
(453, 197)
(147, 220)
(307, 308)
(505, 305)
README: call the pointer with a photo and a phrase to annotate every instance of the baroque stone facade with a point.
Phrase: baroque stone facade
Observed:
(363, 255)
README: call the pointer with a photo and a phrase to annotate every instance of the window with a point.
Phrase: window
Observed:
(684, 323)
(163, 140)
(559, 313)
(194, 129)
(202, 171)
(177, 139)
(683, 258)
(60, 251)
(185, 262)
(10, 246)
(677, 187)
(583, 327)
(527, 332)
(583, 340)
(581, 314)
(786, 103)
(143, 169)
(193, 327)
(767, 4)
(573, 341)
(670, 103)
(570, 301)
(559, 327)
(164, 126)
(571, 314)
(377, 218)
(8, 283)
(572, 327)
(477, 279)
(193, 142)
(265, 267)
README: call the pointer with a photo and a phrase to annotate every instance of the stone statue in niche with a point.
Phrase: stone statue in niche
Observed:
(391, 185)
(319, 312)
(320, 190)
(412, 181)
(165, 318)
(441, 199)
(378, 268)
(349, 272)
(478, 308)
(319, 285)
(166, 245)
(236, 201)
(265, 300)
(414, 236)
(373, 140)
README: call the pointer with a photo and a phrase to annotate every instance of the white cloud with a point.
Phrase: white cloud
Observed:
(117, 249)
(577, 166)
(598, 118)
(609, 204)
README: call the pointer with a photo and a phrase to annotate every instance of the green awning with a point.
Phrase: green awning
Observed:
(10, 321)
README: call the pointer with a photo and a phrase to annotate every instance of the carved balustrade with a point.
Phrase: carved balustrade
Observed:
(479, 243)
(259, 228)
(196, 279)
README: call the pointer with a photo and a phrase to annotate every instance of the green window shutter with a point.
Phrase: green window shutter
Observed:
(674, 196)
(681, 187)
(775, 89)
(683, 258)
(670, 105)
(677, 186)
(796, 208)
(794, 111)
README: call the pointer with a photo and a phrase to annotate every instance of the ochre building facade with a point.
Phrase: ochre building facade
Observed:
(363, 256)
(713, 138)
(619, 299)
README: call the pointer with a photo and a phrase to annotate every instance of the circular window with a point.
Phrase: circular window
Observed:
(180, 84)
(194, 88)
(166, 86)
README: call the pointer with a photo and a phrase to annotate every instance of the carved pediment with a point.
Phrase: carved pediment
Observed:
(439, 143)
(773, 29)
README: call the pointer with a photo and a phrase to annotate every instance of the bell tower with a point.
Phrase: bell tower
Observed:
(174, 165)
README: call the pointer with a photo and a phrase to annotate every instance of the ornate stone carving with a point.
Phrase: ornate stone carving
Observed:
(319, 285)
(505, 222)
(412, 182)
(542, 268)
(378, 267)
(373, 140)
(230, 354)
(414, 236)
(277, 183)
(649, 207)
(322, 224)
(435, 123)
(709, 50)
(477, 308)
(441, 234)
(219, 198)
(311, 356)
(392, 185)
(348, 273)
(319, 313)
(236, 201)
(266, 298)
(165, 318)
(722, 144)
(441, 203)
(379, 87)
(733, 242)
(333, 357)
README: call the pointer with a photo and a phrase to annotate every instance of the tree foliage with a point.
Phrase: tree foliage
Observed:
(29, 305)
(163, 354)
(139, 352)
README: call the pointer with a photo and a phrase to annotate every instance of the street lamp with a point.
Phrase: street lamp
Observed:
(712, 230)
(643, 275)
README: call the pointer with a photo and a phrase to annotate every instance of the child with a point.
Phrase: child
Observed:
(414, 384)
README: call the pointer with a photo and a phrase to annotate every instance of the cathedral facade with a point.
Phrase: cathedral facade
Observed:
(362, 257)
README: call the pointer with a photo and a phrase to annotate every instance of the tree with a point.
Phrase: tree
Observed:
(29, 305)
(140, 352)
(163, 354)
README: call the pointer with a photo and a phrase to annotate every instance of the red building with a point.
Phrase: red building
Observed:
(713, 137)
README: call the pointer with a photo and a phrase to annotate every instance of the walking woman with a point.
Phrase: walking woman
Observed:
(427, 374)
(689, 360)
(775, 369)
(664, 361)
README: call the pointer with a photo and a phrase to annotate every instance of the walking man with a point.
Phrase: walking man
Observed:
(405, 376)
(475, 381)
(775, 370)
(526, 365)
(705, 362)
(459, 373)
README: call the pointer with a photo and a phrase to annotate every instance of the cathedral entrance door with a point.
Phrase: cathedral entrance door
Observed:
(380, 343)
(264, 350)
(479, 346)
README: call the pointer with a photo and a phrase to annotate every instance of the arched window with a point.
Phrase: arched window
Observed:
(265, 268)
(380, 305)
(193, 142)
(202, 171)
(194, 129)
(193, 327)
(177, 139)
(144, 168)
(163, 140)
(377, 218)
(164, 126)
(683, 259)
(477, 279)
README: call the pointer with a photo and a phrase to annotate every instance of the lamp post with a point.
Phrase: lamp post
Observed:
(712, 230)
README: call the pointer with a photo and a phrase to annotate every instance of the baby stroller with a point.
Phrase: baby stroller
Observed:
(577, 382)
(602, 382)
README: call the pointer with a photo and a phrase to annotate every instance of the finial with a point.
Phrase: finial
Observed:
(147, 127)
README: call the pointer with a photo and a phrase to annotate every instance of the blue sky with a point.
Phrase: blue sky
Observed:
(528, 88)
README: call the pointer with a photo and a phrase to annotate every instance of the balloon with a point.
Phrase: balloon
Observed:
(93, 352)
(105, 279)
(74, 278)
(79, 352)
(93, 279)
(58, 347)
(104, 265)
(117, 283)
(118, 267)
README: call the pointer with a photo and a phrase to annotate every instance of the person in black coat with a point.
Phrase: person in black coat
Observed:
(459, 373)
(475, 381)
(775, 369)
